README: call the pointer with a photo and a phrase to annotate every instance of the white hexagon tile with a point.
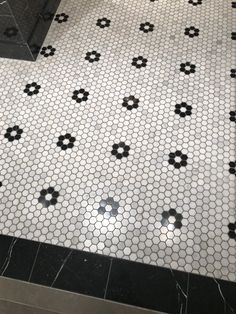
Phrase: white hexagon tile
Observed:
(120, 139)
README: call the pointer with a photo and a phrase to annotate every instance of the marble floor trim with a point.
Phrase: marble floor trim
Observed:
(138, 284)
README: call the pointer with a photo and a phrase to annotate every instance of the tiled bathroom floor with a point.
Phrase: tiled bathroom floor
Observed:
(122, 140)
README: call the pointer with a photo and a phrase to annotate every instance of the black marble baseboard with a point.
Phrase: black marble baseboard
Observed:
(24, 26)
(142, 285)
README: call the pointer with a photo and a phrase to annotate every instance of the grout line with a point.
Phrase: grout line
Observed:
(186, 308)
(36, 256)
(8, 257)
(108, 278)
(63, 264)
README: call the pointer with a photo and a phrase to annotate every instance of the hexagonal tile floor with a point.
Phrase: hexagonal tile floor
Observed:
(120, 139)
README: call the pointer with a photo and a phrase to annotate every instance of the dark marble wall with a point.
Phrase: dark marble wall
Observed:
(23, 26)
(9, 31)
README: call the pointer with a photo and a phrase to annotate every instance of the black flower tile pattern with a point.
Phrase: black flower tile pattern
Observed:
(171, 219)
(131, 128)
(61, 18)
(32, 89)
(104, 22)
(232, 116)
(178, 159)
(187, 68)
(80, 95)
(13, 133)
(108, 208)
(233, 35)
(191, 31)
(195, 2)
(130, 102)
(48, 51)
(183, 109)
(92, 56)
(10, 32)
(234, 4)
(232, 230)
(146, 27)
(66, 141)
(139, 62)
(233, 73)
(232, 167)
(48, 197)
(120, 150)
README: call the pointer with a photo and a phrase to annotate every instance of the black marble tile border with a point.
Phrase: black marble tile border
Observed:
(118, 280)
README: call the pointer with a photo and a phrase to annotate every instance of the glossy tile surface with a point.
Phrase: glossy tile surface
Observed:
(120, 139)
(47, 264)
(17, 257)
(218, 296)
(157, 288)
(83, 273)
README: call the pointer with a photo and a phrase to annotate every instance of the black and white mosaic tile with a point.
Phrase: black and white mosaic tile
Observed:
(120, 139)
